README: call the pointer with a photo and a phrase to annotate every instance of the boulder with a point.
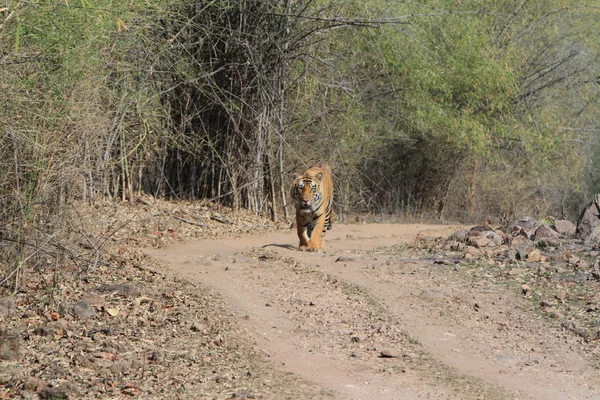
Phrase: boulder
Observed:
(564, 227)
(588, 219)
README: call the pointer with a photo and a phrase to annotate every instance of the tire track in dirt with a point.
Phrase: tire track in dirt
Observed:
(327, 321)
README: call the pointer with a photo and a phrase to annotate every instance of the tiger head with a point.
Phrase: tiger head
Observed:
(307, 192)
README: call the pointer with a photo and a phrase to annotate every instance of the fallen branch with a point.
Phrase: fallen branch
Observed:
(190, 222)
(220, 219)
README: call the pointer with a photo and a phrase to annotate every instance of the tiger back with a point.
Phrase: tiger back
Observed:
(313, 198)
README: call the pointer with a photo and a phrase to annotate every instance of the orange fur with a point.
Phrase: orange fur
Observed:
(313, 197)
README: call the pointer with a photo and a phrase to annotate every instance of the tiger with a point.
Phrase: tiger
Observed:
(313, 197)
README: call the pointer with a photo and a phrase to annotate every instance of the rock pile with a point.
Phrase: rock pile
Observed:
(552, 260)
(513, 239)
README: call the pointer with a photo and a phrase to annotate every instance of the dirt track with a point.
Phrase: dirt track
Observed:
(327, 318)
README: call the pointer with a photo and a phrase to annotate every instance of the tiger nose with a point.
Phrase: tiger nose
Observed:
(305, 203)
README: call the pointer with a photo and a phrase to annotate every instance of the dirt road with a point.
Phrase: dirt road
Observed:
(366, 321)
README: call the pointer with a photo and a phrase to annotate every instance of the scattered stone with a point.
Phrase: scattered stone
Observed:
(460, 236)
(243, 394)
(388, 353)
(345, 259)
(83, 310)
(7, 306)
(573, 260)
(520, 241)
(469, 250)
(512, 254)
(480, 229)
(478, 241)
(546, 303)
(562, 295)
(198, 327)
(556, 315)
(544, 232)
(93, 299)
(578, 277)
(53, 394)
(120, 288)
(107, 331)
(517, 271)
(43, 331)
(525, 289)
(35, 385)
(534, 256)
(9, 345)
(119, 368)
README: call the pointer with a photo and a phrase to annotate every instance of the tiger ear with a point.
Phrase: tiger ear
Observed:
(320, 176)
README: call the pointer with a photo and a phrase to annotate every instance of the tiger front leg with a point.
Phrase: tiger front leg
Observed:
(316, 238)
(302, 229)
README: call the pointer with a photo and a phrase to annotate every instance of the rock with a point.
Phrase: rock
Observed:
(478, 241)
(564, 227)
(526, 223)
(454, 245)
(198, 327)
(544, 232)
(548, 242)
(519, 241)
(35, 385)
(93, 299)
(574, 260)
(460, 236)
(494, 237)
(525, 289)
(472, 251)
(555, 314)
(578, 277)
(120, 367)
(512, 254)
(60, 324)
(525, 227)
(534, 256)
(120, 289)
(83, 310)
(546, 303)
(43, 331)
(588, 219)
(562, 295)
(388, 353)
(7, 306)
(480, 229)
(244, 394)
(9, 344)
(595, 235)
(54, 393)
(345, 259)
(527, 233)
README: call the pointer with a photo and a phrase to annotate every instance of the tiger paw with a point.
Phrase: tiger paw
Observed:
(315, 250)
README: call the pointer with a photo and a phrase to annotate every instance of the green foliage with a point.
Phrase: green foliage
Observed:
(436, 88)
(414, 104)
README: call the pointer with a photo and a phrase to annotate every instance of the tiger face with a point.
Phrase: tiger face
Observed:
(307, 194)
